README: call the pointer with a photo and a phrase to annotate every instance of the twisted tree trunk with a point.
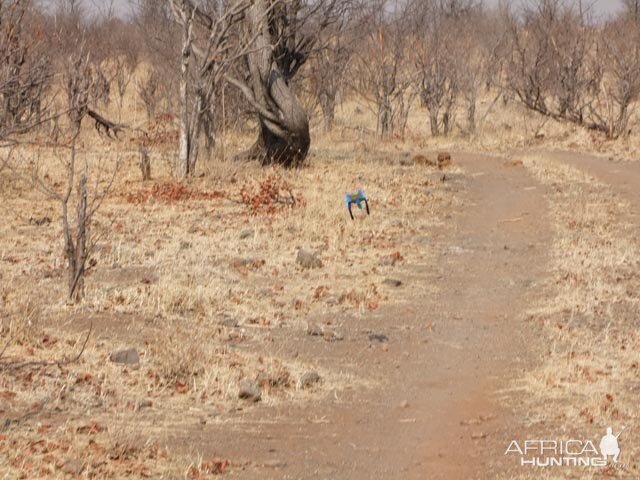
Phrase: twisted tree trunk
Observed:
(284, 126)
(287, 141)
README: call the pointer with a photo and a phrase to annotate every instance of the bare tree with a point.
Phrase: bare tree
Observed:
(565, 68)
(209, 45)
(25, 73)
(551, 69)
(437, 60)
(125, 66)
(82, 91)
(149, 93)
(619, 54)
(159, 36)
(382, 72)
(475, 47)
(279, 38)
(329, 67)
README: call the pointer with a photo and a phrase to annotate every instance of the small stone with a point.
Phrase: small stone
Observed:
(387, 262)
(308, 259)
(229, 322)
(274, 464)
(332, 300)
(146, 403)
(73, 466)
(404, 404)
(378, 337)
(246, 234)
(128, 357)
(392, 282)
(308, 379)
(478, 436)
(250, 391)
(314, 330)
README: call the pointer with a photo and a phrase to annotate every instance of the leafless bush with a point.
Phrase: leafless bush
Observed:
(551, 70)
(444, 65)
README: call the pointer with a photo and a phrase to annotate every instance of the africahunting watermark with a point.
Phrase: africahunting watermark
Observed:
(568, 453)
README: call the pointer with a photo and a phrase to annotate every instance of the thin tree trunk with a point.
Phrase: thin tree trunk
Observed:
(433, 120)
(76, 275)
(185, 147)
(328, 111)
(145, 163)
(195, 125)
(471, 114)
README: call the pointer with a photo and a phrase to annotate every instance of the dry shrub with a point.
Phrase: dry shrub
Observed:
(204, 468)
(590, 321)
(270, 195)
(176, 360)
(20, 328)
(368, 298)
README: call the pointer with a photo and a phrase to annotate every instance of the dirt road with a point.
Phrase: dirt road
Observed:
(434, 413)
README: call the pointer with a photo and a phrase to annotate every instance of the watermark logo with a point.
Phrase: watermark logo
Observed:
(569, 453)
(609, 445)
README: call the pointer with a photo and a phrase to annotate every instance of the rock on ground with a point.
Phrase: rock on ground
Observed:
(127, 357)
(309, 378)
(308, 259)
(314, 330)
(73, 466)
(249, 390)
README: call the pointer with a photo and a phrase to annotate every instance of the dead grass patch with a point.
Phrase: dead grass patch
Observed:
(588, 378)
(199, 281)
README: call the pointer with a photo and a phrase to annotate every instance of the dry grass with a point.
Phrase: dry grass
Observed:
(588, 377)
(177, 267)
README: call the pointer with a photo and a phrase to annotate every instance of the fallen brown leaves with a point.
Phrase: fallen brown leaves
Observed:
(269, 196)
(214, 466)
(171, 192)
